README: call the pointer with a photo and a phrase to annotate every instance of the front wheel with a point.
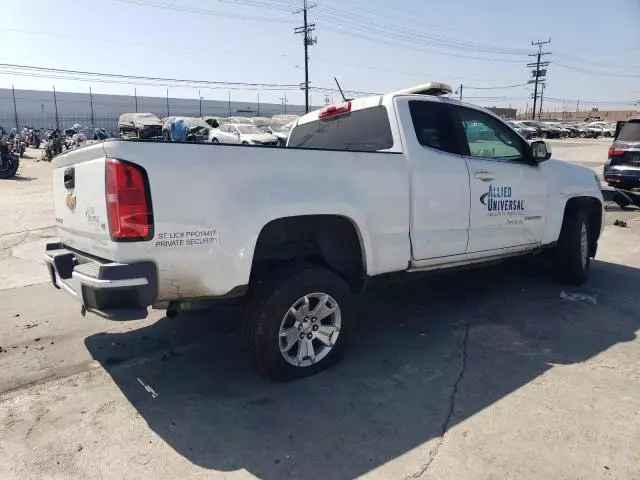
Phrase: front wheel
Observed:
(298, 322)
(571, 257)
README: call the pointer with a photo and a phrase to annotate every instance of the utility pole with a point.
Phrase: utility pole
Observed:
(55, 102)
(15, 108)
(577, 108)
(229, 102)
(538, 74)
(167, 103)
(307, 41)
(91, 103)
(284, 102)
(258, 102)
(460, 91)
(542, 87)
(135, 96)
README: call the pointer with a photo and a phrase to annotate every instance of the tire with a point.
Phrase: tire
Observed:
(269, 312)
(10, 170)
(582, 134)
(543, 135)
(214, 140)
(245, 143)
(571, 255)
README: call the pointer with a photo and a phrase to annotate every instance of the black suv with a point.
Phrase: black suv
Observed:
(622, 168)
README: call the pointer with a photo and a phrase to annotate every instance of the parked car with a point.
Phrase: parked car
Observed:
(198, 129)
(609, 129)
(593, 131)
(242, 135)
(622, 168)
(286, 117)
(544, 130)
(294, 233)
(524, 130)
(140, 125)
(239, 120)
(214, 122)
(281, 132)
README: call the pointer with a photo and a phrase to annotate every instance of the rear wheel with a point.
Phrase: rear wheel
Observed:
(572, 254)
(9, 166)
(298, 322)
(214, 140)
(543, 135)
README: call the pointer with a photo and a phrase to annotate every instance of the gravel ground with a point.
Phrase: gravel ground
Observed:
(492, 373)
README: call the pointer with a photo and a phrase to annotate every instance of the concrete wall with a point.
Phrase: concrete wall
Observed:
(37, 108)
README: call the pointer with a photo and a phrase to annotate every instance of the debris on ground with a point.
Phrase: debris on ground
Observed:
(578, 297)
(620, 223)
(30, 325)
(79, 447)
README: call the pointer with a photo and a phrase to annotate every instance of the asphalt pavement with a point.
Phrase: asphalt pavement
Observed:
(492, 373)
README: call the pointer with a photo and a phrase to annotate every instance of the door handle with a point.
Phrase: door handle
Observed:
(484, 176)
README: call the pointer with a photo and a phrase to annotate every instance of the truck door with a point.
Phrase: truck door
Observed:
(439, 178)
(508, 193)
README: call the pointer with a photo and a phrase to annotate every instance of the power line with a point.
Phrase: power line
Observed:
(135, 77)
(594, 72)
(203, 11)
(497, 87)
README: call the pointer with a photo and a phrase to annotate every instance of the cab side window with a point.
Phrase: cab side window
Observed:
(487, 137)
(434, 125)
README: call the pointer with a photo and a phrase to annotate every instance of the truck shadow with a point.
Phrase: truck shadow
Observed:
(393, 391)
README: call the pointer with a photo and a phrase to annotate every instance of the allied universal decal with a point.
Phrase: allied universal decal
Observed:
(500, 202)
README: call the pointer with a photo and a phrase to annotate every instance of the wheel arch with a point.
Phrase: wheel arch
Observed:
(593, 206)
(335, 240)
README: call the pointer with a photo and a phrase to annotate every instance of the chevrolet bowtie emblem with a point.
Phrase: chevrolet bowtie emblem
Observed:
(70, 200)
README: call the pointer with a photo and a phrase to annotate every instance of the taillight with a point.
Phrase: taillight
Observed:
(333, 110)
(128, 202)
(615, 152)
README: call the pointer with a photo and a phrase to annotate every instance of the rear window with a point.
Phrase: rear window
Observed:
(630, 132)
(365, 130)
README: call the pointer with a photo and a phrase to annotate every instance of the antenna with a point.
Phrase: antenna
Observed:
(340, 88)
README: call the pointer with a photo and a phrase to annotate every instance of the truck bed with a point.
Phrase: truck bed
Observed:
(210, 203)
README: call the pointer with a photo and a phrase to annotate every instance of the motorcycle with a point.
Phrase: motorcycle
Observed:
(32, 136)
(19, 144)
(52, 145)
(9, 162)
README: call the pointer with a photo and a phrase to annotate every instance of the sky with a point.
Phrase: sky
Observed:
(369, 45)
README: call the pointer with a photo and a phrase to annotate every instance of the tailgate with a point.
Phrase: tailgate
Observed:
(79, 201)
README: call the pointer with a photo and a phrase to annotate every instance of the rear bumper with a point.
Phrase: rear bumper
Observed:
(112, 290)
(630, 177)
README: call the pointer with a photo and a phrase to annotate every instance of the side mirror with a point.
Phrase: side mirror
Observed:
(540, 151)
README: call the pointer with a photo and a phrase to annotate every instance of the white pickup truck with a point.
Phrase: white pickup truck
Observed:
(408, 181)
